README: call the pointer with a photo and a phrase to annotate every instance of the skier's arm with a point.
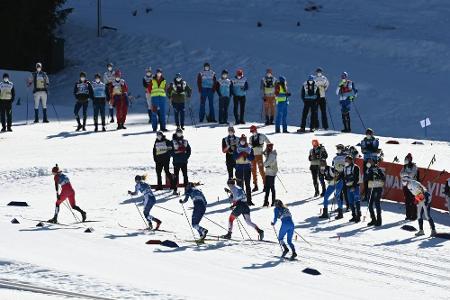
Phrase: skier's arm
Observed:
(13, 94)
(275, 216)
(246, 86)
(188, 150)
(303, 94)
(199, 82)
(355, 176)
(224, 146)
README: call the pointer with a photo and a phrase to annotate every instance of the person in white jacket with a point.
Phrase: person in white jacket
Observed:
(271, 168)
(323, 84)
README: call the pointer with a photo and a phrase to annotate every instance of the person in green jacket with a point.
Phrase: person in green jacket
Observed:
(178, 92)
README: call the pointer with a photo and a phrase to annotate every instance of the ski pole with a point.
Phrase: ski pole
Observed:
(331, 117)
(389, 189)
(303, 238)
(276, 236)
(27, 108)
(239, 226)
(368, 205)
(73, 214)
(215, 223)
(282, 184)
(332, 203)
(56, 113)
(250, 238)
(140, 213)
(190, 226)
(357, 112)
(433, 159)
(172, 211)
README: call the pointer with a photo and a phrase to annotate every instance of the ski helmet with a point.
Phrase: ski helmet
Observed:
(240, 72)
(282, 79)
(344, 75)
(311, 78)
(55, 169)
(253, 128)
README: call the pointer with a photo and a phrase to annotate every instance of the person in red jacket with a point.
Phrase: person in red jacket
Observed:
(118, 91)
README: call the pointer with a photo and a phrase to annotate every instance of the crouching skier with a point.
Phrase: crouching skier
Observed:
(240, 207)
(67, 192)
(287, 227)
(199, 200)
(149, 200)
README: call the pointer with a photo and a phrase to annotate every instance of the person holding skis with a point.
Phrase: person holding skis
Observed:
(100, 96)
(369, 148)
(161, 155)
(339, 164)
(281, 97)
(149, 199)
(375, 178)
(351, 181)
(197, 196)
(178, 92)
(268, 83)
(239, 207)
(335, 184)
(310, 96)
(410, 169)
(206, 81)
(7, 95)
(229, 144)
(82, 92)
(157, 91)
(257, 141)
(347, 93)
(181, 151)
(146, 81)
(118, 91)
(316, 154)
(243, 155)
(239, 90)
(271, 166)
(323, 84)
(40, 82)
(223, 88)
(67, 192)
(422, 199)
(287, 227)
(108, 78)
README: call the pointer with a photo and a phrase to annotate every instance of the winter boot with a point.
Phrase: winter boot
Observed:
(36, 116)
(372, 222)
(293, 256)
(433, 233)
(204, 233)
(301, 130)
(250, 203)
(84, 124)
(339, 215)
(79, 126)
(419, 233)
(260, 233)
(358, 212)
(285, 250)
(149, 116)
(353, 219)
(158, 223)
(9, 129)
(53, 220)
(226, 236)
(111, 114)
(3, 129)
(324, 214)
(255, 189)
(45, 120)
(266, 204)
(379, 222)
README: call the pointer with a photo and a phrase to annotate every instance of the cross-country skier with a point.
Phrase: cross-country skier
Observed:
(178, 92)
(108, 78)
(229, 144)
(347, 93)
(423, 201)
(7, 95)
(339, 164)
(316, 154)
(410, 169)
(268, 83)
(239, 207)
(40, 82)
(99, 101)
(181, 151)
(244, 155)
(369, 148)
(146, 81)
(239, 90)
(271, 166)
(323, 84)
(310, 96)
(257, 141)
(118, 91)
(335, 184)
(281, 97)
(223, 87)
(375, 178)
(206, 81)
(67, 192)
(351, 181)
(199, 200)
(82, 92)
(161, 155)
(287, 227)
(149, 199)
(158, 92)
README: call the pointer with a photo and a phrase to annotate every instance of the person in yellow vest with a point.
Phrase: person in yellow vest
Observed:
(7, 94)
(268, 91)
(157, 90)
(281, 97)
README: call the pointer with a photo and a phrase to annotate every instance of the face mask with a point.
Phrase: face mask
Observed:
(242, 143)
(239, 77)
(82, 79)
(224, 76)
(159, 137)
(230, 133)
(368, 165)
(6, 79)
(310, 81)
(110, 69)
(97, 80)
(178, 79)
(319, 74)
(158, 74)
(406, 161)
(368, 136)
(347, 164)
(206, 68)
(404, 183)
(254, 133)
(38, 69)
(322, 168)
(269, 75)
(117, 78)
(179, 134)
(149, 74)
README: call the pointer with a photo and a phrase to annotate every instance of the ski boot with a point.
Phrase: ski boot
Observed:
(150, 225)
(266, 204)
(324, 214)
(158, 223)
(255, 189)
(260, 234)
(45, 120)
(372, 222)
(226, 236)
(250, 203)
(340, 214)
(36, 116)
(204, 233)
(53, 220)
(285, 250)
(419, 233)
(293, 256)
(83, 216)
(433, 233)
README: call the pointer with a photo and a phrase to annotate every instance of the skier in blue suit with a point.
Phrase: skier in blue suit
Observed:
(287, 227)
(199, 200)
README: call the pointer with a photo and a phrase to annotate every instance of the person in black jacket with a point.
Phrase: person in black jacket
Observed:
(316, 154)
(82, 92)
(310, 95)
(146, 81)
(181, 151)
(7, 95)
(161, 155)
(351, 181)
(229, 144)
(375, 178)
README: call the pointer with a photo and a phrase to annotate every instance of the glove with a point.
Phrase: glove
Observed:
(288, 94)
(130, 193)
(227, 190)
(272, 223)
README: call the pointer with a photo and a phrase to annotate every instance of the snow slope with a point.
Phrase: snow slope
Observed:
(356, 262)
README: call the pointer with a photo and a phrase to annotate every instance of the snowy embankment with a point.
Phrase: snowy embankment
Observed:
(356, 262)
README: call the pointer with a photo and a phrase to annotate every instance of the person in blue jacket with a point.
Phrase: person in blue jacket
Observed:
(369, 148)
(99, 101)
(239, 91)
(181, 151)
(199, 200)
(149, 199)
(287, 227)
(206, 81)
(224, 87)
(243, 155)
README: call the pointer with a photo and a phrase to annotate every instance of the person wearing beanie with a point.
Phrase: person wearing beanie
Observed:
(409, 170)
(229, 144)
(7, 95)
(268, 83)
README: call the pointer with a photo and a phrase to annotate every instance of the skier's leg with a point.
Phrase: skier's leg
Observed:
(201, 111)
(159, 167)
(249, 222)
(290, 234)
(242, 109)
(212, 114)
(235, 109)
(304, 114)
(185, 174)
(260, 163)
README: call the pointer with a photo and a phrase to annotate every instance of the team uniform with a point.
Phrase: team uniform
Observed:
(287, 228)
(347, 92)
(146, 81)
(369, 149)
(118, 91)
(239, 91)
(335, 183)
(351, 181)
(178, 92)
(161, 155)
(223, 88)
(243, 156)
(410, 169)
(340, 187)
(310, 95)
(229, 144)
(40, 82)
(149, 201)
(322, 83)
(7, 95)
(268, 83)
(82, 92)
(108, 78)
(271, 170)
(206, 80)
(281, 97)
(316, 154)
(99, 101)
(375, 179)
(181, 151)
(257, 141)
(200, 203)
(157, 90)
